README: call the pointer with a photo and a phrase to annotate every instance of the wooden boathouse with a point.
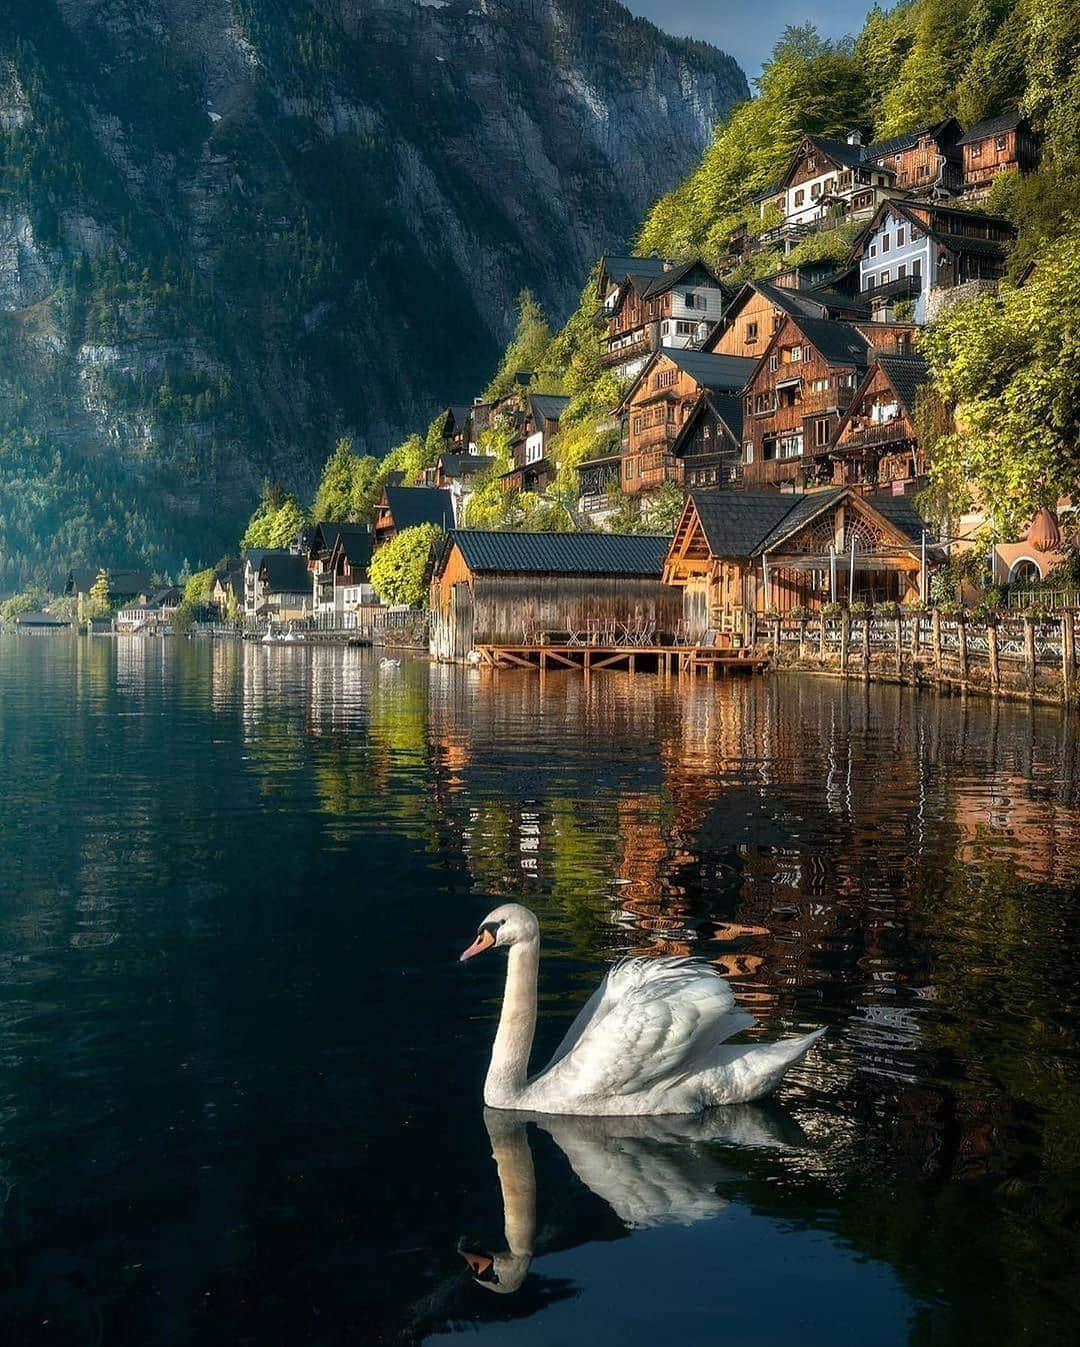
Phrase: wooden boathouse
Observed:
(584, 601)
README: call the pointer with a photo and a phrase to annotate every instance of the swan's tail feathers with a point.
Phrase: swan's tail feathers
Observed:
(749, 1071)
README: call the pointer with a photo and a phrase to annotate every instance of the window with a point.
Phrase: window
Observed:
(899, 238)
(694, 300)
(821, 432)
(815, 191)
(774, 362)
(884, 278)
(751, 332)
(638, 422)
(795, 355)
(819, 386)
(916, 266)
(976, 151)
(629, 473)
(1001, 142)
(750, 451)
(800, 197)
(664, 379)
(885, 244)
(790, 446)
(873, 250)
(923, 171)
(901, 271)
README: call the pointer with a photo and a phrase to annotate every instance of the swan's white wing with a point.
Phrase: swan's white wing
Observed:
(655, 1020)
(595, 1007)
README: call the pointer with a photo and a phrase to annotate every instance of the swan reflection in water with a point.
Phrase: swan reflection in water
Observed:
(650, 1172)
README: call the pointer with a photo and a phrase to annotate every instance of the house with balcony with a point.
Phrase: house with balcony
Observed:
(927, 162)
(707, 452)
(533, 470)
(876, 443)
(340, 579)
(825, 180)
(738, 555)
(283, 587)
(1001, 145)
(656, 406)
(910, 249)
(676, 308)
(794, 400)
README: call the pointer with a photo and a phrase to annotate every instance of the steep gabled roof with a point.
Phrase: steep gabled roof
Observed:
(662, 283)
(907, 374)
(593, 554)
(353, 541)
(618, 268)
(840, 343)
(995, 126)
(414, 505)
(803, 510)
(284, 573)
(735, 522)
(715, 372)
(727, 407)
(547, 406)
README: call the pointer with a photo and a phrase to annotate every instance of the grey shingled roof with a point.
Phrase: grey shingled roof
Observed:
(594, 554)
(618, 268)
(660, 284)
(547, 405)
(839, 343)
(355, 540)
(735, 522)
(726, 373)
(414, 505)
(285, 573)
(897, 143)
(900, 511)
(994, 127)
(907, 374)
(464, 465)
(802, 511)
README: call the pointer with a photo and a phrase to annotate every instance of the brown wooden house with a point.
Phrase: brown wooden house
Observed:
(876, 444)
(533, 470)
(761, 306)
(404, 507)
(655, 408)
(737, 555)
(926, 162)
(677, 307)
(1001, 145)
(503, 588)
(793, 402)
(707, 451)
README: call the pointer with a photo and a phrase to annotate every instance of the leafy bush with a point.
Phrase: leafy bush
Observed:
(399, 568)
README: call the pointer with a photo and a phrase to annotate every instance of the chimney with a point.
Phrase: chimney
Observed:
(669, 265)
(854, 137)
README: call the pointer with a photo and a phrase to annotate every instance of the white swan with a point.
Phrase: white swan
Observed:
(651, 1039)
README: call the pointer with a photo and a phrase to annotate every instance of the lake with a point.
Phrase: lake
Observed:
(241, 1067)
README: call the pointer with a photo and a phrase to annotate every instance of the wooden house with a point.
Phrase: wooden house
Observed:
(925, 162)
(505, 588)
(453, 470)
(227, 588)
(761, 306)
(737, 555)
(792, 404)
(678, 307)
(876, 444)
(707, 451)
(254, 590)
(533, 470)
(126, 586)
(658, 403)
(347, 566)
(912, 248)
(406, 507)
(284, 587)
(456, 427)
(1001, 145)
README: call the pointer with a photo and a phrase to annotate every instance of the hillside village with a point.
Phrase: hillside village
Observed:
(768, 404)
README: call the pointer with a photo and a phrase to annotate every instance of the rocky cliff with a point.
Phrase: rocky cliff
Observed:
(232, 230)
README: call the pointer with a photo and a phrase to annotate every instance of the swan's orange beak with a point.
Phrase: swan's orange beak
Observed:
(484, 940)
(480, 1264)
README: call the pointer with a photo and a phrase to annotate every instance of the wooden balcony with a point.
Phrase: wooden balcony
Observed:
(891, 436)
(609, 359)
(904, 287)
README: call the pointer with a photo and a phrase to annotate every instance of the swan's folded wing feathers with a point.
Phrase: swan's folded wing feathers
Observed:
(657, 1017)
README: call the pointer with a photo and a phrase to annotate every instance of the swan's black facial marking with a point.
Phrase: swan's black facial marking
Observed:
(492, 928)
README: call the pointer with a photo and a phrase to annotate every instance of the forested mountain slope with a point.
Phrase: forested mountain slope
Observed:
(233, 230)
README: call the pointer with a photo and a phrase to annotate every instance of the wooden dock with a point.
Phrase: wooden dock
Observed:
(712, 661)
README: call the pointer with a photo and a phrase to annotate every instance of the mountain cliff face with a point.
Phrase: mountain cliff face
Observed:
(233, 230)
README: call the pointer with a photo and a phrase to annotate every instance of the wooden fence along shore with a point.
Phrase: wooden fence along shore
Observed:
(1010, 654)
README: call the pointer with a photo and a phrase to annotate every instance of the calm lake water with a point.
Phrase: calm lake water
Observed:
(240, 1065)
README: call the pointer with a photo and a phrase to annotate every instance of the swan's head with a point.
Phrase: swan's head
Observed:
(510, 924)
(502, 1273)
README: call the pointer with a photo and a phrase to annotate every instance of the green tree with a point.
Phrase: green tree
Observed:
(197, 588)
(334, 497)
(398, 569)
(526, 350)
(99, 600)
(276, 521)
(1005, 367)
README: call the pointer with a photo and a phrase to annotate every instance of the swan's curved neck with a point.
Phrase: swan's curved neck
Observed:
(517, 1182)
(509, 1066)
